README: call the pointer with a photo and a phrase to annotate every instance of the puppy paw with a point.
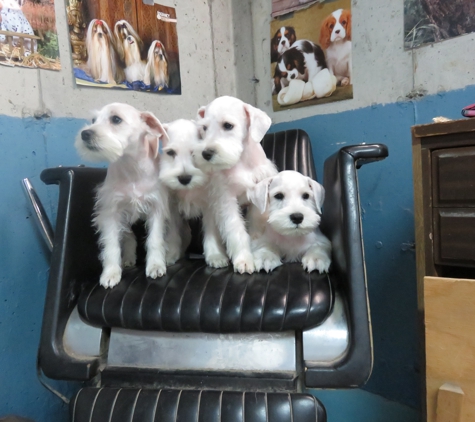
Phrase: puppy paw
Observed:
(128, 262)
(155, 269)
(266, 260)
(217, 260)
(110, 276)
(316, 262)
(244, 263)
(345, 81)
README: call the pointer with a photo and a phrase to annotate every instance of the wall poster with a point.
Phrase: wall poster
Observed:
(28, 36)
(429, 21)
(124, 44)
(310, 52)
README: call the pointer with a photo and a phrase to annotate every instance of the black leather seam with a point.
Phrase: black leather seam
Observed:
(267, 407)
(94, 403)
(178, 404)
(180, 314)
(87, 300)
(264, 304)
(121, 311)
(221, 299)
(141, 303)
(286, 302)
(156, 405)
(135, 405)
(284, 158)
(289, 397)
(75, 403)
(243, 398)
(113, 404)
(221, 406)
(242, 303)
(103, 307)
(198, 407)
(309, 298)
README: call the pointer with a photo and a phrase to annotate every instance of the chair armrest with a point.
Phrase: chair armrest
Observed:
(341, 222)
(74, 258)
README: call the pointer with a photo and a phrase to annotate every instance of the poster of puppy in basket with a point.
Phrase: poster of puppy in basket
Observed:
(28, 36)
(125, 44)
(310, 51)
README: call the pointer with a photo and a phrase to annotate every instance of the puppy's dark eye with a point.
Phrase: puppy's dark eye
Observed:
(343, 23)
(171, 153)
(279, 196)
(94, 120)
(115, 120)
(305, 196)
(227, 126)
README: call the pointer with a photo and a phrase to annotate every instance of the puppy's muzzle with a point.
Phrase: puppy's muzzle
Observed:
(184, 179)
(88, 138)
(296, 218)
(208, 154)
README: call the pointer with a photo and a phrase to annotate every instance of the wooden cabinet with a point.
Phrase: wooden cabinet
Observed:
(444, 199)
(444, 207)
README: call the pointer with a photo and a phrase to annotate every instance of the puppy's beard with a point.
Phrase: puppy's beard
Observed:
(99, 149)
(226, 155)
(280, 221)
(169, 176)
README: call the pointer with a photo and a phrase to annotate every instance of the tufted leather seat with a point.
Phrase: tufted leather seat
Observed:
(192, 297)
(147, 405)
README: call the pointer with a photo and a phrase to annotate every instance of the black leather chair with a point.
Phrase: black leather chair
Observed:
(208, 344)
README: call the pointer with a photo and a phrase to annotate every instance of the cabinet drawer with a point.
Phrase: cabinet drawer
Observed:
(453, 176)
(454, 236)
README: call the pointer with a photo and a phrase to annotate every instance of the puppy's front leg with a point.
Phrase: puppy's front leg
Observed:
(318, 256)
(156, 251)
(109, 228)
(233, 231)
(215, 256)
(266, 255)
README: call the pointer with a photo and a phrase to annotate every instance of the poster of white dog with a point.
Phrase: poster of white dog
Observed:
(28, 36)
(126, 45)
(310, 52)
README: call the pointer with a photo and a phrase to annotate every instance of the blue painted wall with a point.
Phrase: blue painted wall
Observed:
(27, 146)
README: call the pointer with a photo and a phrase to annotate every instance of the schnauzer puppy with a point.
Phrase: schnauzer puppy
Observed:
(129, 140)
(156, 71)
(292, 205)
(130, 46)
(232, 155)
(190, 185)
(102, 60)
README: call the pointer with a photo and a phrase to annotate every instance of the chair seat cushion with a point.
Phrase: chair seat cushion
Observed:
(193, 297)
(149, 405)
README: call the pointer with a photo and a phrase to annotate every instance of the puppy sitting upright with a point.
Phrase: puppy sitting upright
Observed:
(232, 155)
(292, 204)
(129, 140)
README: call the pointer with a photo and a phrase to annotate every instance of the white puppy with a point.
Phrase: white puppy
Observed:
(232, 155)
(291, 204)
(129, 140)
(190, 184)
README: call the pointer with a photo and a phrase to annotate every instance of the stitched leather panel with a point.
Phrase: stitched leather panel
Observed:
(192, 297)
(143, 405)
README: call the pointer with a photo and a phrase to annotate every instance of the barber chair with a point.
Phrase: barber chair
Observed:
(201, 343)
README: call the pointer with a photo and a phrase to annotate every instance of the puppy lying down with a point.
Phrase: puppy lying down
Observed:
(291, 206)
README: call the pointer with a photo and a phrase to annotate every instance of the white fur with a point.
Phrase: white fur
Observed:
(128, 139)
(129, 46)
(284, 200)
(232, 155)
(101, 54)
(156, 70)
(312, 66)
(191, 193)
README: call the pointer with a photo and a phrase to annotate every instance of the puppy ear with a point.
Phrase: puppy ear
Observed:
(318, 194)
(259, 122)
(348, 24)
(258, 194)
(201, 112)
(156, 129)
(325, 32)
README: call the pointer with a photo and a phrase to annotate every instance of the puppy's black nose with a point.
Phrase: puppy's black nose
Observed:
(292, 76)
(337, 31)
(87, 135)
(207, 154)
(185, 179)
(296, 218)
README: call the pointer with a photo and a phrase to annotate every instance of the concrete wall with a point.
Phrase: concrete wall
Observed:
(223, 49)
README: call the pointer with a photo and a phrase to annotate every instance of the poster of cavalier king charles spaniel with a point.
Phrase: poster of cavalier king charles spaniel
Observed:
(310, 52)
(129, 45)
